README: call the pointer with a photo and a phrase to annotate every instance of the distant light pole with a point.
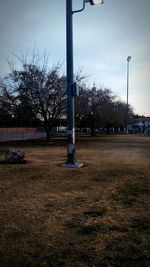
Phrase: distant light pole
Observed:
(72, 89)
(127, 108)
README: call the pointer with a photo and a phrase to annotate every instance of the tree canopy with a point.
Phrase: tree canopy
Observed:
(36, 95)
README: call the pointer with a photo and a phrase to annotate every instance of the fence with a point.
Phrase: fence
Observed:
(14, 134)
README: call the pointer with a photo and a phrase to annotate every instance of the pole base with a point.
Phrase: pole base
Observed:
(75, 165)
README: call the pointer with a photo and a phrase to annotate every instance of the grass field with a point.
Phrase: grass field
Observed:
(95, 216)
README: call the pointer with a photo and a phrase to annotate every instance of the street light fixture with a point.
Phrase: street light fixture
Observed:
(127, 111)
(72, 90)
(96, 2)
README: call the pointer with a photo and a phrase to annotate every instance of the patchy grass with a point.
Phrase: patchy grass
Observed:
(132, 192)
(94, 216)
(95, 213)
(141, 224)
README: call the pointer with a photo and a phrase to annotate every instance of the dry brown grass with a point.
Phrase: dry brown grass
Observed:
(94, 216)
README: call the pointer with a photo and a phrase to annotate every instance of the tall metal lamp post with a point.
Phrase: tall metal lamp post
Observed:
(72, 89)
(127, 111)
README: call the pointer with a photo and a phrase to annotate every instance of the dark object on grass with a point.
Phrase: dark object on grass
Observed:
(14, 156)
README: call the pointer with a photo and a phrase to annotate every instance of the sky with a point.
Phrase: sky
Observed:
(104, 36)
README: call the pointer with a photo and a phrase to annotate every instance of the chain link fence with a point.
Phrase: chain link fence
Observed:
(15, 134)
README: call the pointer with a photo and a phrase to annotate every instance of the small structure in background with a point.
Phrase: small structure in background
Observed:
(14, 156)
(140, 125)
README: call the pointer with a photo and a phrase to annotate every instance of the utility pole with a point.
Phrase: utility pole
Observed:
(72, 89)
(127, 109)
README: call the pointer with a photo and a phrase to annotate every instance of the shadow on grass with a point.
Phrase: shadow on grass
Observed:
(141, 224)
(124, 252)
(13, 163)
(95, 213)
(128, 194)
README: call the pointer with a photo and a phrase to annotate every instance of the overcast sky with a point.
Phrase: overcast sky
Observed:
(104, 35)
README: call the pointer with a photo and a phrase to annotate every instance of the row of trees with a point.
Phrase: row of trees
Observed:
(36, 96)
(98, 107)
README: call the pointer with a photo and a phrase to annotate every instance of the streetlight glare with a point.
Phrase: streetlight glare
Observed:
(96, 2)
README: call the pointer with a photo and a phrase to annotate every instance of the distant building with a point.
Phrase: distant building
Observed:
(140, 125)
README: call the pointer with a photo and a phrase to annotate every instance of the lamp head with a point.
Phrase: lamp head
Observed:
(96, 2)
(128, 58)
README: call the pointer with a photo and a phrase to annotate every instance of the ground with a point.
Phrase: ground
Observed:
(95, 216)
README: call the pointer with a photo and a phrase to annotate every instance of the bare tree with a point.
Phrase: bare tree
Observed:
(40, 89)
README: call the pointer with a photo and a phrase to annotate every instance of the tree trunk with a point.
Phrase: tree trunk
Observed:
(47, 130)
(92, 131)
(48, 136)
(92, 125)
(108, 129)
